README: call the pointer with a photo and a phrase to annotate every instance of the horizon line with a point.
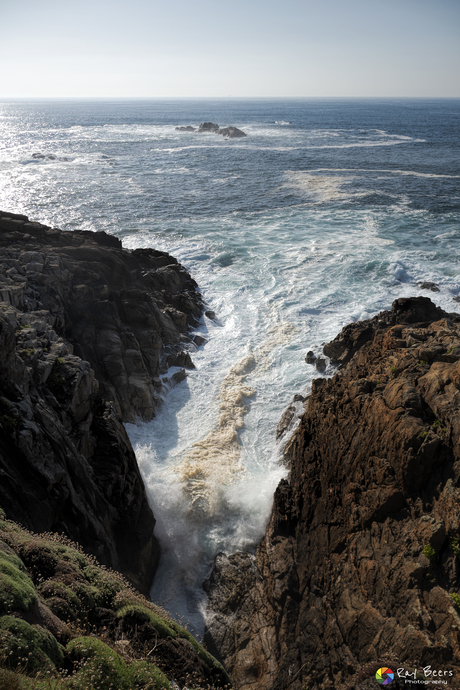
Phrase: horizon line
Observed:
(93, 97)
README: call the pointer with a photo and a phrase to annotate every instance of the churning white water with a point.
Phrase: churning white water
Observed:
(324, 214)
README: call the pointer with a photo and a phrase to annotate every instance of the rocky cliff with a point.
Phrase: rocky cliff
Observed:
(359, 566)
(86, 330)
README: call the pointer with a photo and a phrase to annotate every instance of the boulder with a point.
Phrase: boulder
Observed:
(208, 127)
(231, 132)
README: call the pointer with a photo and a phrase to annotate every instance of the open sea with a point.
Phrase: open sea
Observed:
(324, 214)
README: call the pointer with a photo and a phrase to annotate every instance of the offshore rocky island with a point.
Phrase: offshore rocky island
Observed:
(359, 565)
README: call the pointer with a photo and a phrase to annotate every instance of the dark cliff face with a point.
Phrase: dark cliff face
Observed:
(361, 553)
(84, 325)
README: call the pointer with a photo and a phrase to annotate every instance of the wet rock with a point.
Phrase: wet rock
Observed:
(228, 132)
(181, 359)
(231, 132)
(359, 558)
(310, 357)
(208, 127)
(429, 286)
(285, 421)
(199, 340)
(320, 364)
(179, 376)
(210, 314)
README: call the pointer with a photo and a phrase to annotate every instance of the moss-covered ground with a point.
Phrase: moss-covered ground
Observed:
(67, 623)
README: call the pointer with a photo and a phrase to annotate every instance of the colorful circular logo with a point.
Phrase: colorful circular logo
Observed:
(384, 676)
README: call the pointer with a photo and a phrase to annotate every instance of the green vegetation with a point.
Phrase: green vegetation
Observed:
(454, 545)
(145, 673)
(424, 434)
(17, 590)
(429, 552)
(9, 418)
(27, 353)
(422, 363)
(31, 646)
(456, 599)
(104, 635)
(55, 380)
(436, 426)
(98, 665)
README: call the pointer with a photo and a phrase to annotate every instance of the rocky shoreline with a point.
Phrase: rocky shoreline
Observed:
(359, 566)
(87, 332)
(360, 563)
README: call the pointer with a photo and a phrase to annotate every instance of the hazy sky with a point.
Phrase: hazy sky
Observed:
(238, 48)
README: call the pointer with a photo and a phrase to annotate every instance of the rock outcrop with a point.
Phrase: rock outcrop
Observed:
(85, 330)
(227, 132)
(232, 132)
(359, 566)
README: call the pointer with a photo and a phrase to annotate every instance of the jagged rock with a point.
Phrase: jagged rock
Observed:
(188, 128)
(118, 307)
(181, 359)
(210, 314)
(355, 335)
(320, 364)
(82, 328)
(361, 552)
(285, 421)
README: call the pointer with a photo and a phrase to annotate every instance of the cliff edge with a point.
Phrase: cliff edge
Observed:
(85, 330)
(359, 566)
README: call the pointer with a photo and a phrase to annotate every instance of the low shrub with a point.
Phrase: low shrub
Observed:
(98, 666)
(17, 590)
(30, 647)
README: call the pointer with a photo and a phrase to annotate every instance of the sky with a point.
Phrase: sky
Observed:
(239, 48)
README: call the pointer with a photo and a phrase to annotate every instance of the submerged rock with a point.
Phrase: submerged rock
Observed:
(360, 558)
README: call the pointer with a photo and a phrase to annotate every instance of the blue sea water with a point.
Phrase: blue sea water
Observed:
(324, 214)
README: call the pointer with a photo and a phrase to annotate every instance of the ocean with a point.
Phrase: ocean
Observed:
(324, 214)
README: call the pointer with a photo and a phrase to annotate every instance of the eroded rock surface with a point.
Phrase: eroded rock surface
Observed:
(361, 553)
(84, 328)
